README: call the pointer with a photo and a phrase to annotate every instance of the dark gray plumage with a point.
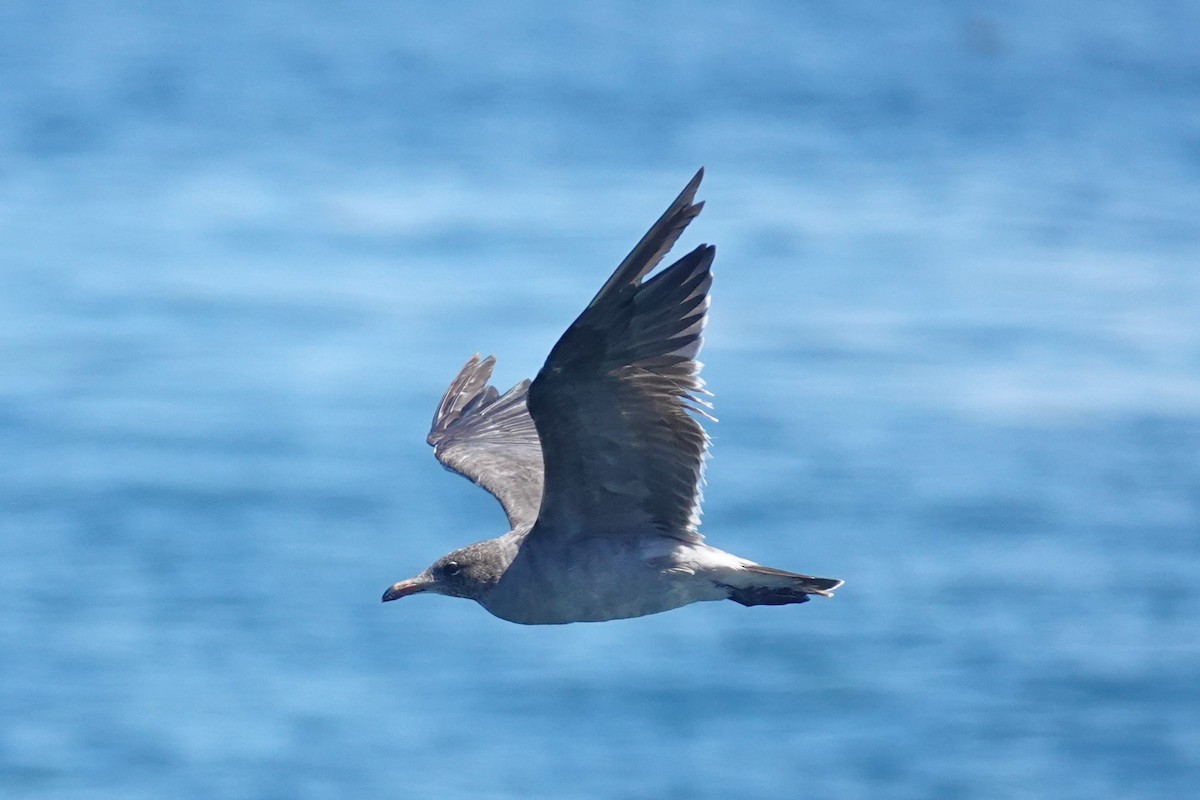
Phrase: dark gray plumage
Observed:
(490, 439)
(598, 462)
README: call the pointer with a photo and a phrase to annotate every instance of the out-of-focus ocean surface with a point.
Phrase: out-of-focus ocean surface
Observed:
(955, 347)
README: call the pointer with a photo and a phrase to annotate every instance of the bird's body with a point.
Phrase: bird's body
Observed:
(612, 577)
(598, 462)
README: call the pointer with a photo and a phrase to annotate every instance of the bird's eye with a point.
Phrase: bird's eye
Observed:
(451, 568)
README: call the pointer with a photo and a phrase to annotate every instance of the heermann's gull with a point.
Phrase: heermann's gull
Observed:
(598, 462)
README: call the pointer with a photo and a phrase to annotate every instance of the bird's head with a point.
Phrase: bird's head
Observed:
(468, 572)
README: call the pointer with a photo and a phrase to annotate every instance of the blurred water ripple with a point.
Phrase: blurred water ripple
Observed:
(954, 344)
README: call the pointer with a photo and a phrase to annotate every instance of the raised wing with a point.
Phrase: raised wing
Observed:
(614, 403)
(489, 438)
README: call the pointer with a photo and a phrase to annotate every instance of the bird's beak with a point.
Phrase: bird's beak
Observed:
(405, 588)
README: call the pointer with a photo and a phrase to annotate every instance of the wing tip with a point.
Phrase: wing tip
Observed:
(471, 380)
(657, 241)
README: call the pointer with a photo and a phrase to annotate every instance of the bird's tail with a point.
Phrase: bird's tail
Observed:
(756, 585)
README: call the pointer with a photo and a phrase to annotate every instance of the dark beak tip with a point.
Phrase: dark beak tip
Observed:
(402, 589)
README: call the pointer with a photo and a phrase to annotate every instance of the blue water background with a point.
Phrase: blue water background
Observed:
(955, 346)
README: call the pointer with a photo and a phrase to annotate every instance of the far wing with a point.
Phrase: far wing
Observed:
(489, 438)
(615, 402)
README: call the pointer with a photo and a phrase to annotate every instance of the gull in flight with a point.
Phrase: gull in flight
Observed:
(598, 462)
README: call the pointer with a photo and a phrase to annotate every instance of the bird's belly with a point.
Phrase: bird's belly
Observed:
(599, 579)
